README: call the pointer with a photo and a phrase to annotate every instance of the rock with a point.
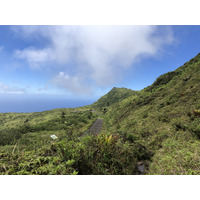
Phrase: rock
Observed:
(141, 168)
(140, 163)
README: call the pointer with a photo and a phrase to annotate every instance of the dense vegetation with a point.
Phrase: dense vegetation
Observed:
(158, 126)
(115, 95)
(165, 118)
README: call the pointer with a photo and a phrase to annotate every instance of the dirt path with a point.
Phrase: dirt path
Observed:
(96, 127)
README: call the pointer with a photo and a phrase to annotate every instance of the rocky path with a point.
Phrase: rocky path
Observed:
(96, 127)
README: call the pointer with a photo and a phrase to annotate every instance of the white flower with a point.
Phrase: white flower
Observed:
(53, 137)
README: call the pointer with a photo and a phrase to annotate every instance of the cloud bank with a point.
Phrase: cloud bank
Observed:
(74, 83)
(100, 54)
(5, 89)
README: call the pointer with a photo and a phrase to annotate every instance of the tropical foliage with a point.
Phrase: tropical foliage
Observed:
(157, 128)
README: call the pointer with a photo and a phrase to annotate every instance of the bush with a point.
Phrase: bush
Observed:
(102, 154)
(176, 157)
(196, 113)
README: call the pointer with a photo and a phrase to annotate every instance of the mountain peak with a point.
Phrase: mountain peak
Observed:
(113, 96)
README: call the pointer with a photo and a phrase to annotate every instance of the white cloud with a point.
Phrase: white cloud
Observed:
(101, 53)
(33, 56)
(5, 89)
(74, 84)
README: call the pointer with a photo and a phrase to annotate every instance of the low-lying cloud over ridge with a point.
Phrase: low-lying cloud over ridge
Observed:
(100, 53)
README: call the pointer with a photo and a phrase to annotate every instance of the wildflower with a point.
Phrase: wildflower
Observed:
(53, 137)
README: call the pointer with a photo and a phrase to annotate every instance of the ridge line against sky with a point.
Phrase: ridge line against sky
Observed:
(78, 59)
(85, 62)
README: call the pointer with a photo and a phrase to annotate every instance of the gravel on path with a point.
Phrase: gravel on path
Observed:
(96, 127)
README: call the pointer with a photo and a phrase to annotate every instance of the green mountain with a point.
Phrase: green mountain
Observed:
(115, 95)
(165, 119)
(152, 131)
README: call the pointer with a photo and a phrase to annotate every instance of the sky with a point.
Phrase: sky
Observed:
(82, 63)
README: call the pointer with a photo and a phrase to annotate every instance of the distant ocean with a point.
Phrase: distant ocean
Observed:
(36, 103)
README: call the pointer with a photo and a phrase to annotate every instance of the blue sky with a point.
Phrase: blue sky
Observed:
(85, 62)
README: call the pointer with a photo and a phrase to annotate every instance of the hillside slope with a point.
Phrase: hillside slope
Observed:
(165, 119)
(113, 96)
(152, 131)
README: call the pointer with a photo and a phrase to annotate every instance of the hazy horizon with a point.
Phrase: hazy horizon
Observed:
(81, 63)
(36, 103)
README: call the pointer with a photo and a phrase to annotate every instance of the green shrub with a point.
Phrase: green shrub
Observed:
(177, 157)
(196, 112)
(102, 154)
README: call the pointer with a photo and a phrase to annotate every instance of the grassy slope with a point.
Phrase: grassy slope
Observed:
(115, 95)
(158, 125)
(26, 146)
(162, 117)
(28, 132)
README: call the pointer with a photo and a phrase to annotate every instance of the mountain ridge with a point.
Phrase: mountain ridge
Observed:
(113, 96)
(157, 128)
(163, 114)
